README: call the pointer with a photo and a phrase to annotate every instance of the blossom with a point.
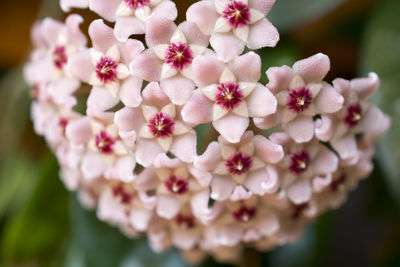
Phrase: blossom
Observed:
(234, 24)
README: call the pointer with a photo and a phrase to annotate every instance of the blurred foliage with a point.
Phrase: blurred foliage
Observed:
(43, 225)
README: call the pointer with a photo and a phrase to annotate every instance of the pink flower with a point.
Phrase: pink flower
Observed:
(228, 95)
(301, 95)
(243, 169)
(234, 24)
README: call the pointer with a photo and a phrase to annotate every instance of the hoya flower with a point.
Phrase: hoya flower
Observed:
(67, 5)
(301, 95)
(243, 169)
(243, 221)
(234, 24)
(228, 95)
(158, 128)
(54, 44)
(303, 162)
(105, 65)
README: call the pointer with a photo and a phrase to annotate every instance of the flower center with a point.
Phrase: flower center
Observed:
(135, 4)
(354, 115)
(59, 57)
(298, 210)
(299, 162)
(106, 69)
(239, 164)
(186, 221)
(161, 125)
(176, 185)
(237, 14)
(244, 214)
(179, 55)
(337, 183)
(104, 142)
(299, 99)
(121, 193)
(229, 95)
(62, 123)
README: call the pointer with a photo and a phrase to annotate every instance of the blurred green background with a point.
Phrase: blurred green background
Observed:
(41, 224)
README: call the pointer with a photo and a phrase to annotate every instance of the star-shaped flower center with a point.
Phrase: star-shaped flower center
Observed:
(176, 185)
(299, 162)
(161, 125)
(239, 163)
(237, 14)
(185, 221)
(106, 70)
(120, 192)
(229, 95)
(135, 4)
(354, 115)
(60, 56)
(179, 55)
(244, 213)
(299, 99)
(104, 142)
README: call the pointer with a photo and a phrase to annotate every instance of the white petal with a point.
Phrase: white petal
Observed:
(219, 112)
(222, 25)
(247, 149)
(255, 15)
(145, 132)
(246, 88)
(220, 5)
(123, 10)
(165, 142)
(143, 13)
(95, 56)
(242, 33)
(227, 76)
(169, 110)
(210, 91)
(122, 71)
(282, 98)
(178, 37)
(113, 88)
(227, 152)
(221, 169)
(149, 112)
(297, 82)
(160, 50)
(167, 71)
(257, 164)
(241, 110)
(188, 72)
(288, 115)
(179, 128)
(197, 50)
(113, 52)
(314, 88)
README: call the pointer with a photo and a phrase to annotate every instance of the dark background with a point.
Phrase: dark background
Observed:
(41, 224)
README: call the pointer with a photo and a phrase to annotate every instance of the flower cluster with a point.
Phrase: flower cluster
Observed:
(134, 153)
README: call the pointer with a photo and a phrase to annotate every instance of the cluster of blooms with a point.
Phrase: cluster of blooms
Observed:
(133, 153)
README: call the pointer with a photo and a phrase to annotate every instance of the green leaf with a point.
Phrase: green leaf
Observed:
(289, 14)
(381, 55)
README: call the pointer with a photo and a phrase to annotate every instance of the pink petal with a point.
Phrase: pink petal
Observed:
(346, 146)
(222, 187)
(314, 68)
(200, 208)
(101, 98)
(128, 119)
(51, 29)
(247, 67)
(184, 239)
(239, 193)
(300, 191)
(146, 66)
(220, 41)
(328, 100)
(262, 34)
(198, 109)
(75, 35)
(93, 166)
(279, 78)
(325, 162)
(268, 224)
(210, 158)
(262, 5)
(204, 15)
(267, 150)
(261, 102)
(79, 131)
(179, 89)
(207, 70)
(193, 34)
(231, 127)
(147, 151)
(375, 123)
(267, 122)
(154, 95)
(229, 235)
(163, 161)
(101, 35)
(126, 26)
(130, 92)
(159, 30)
(80, 66)
(66, 5)
(168, 206)
(366, 87)
(125, 166)
(166, 9)
(184, 146)
(324, 128)
(105, 8)
(259, 182)
(301, 129)
(140, 218)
